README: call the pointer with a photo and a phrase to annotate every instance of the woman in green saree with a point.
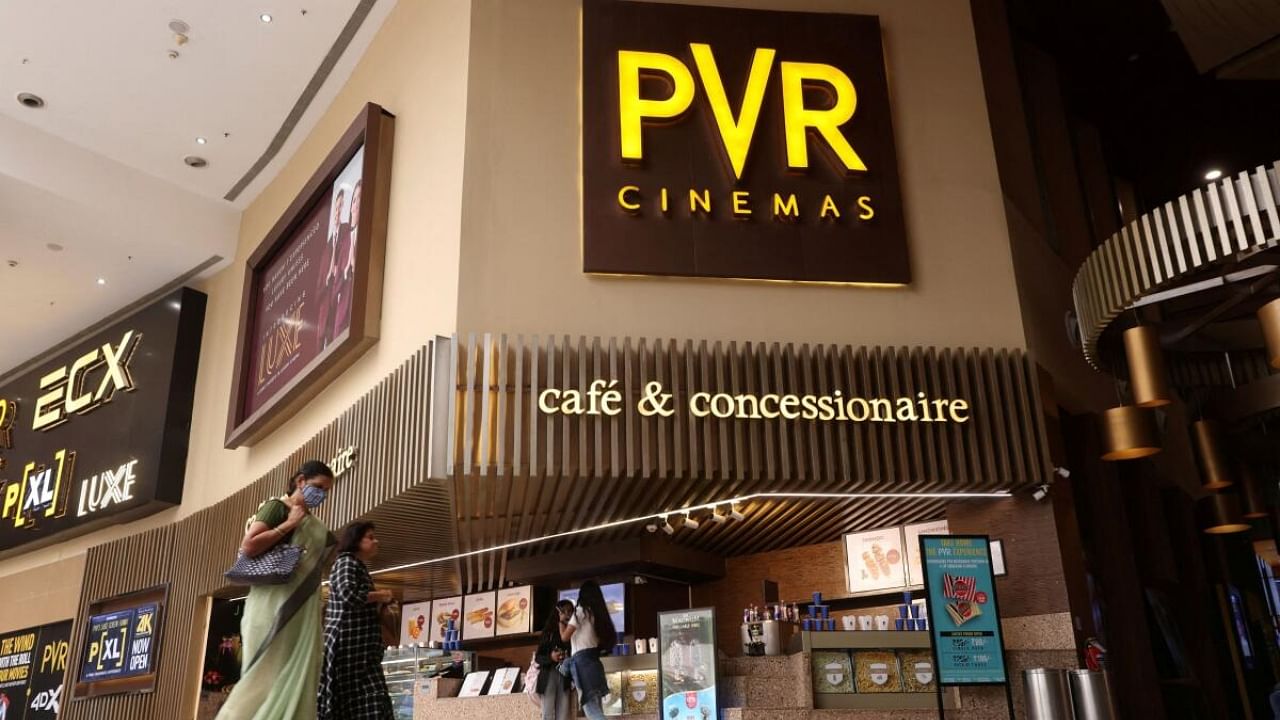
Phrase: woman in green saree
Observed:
(281, 627)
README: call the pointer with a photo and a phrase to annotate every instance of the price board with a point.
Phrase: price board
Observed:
(964, 620)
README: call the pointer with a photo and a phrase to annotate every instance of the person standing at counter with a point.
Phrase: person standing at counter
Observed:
(352, 686)
(553, 687)
(281, 623)
(588, 629)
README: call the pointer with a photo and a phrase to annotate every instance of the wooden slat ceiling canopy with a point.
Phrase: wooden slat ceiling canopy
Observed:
(519, 473)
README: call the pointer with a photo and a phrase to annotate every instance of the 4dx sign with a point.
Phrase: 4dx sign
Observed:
(722, 142)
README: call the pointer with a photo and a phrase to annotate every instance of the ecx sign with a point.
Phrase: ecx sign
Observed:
(722, 142)
(98, 433)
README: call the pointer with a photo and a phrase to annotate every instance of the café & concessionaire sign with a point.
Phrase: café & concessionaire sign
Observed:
(734, 143)
(97, 435)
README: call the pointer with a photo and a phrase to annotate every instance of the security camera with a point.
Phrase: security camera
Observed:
(1062, 472)
(1041, 492)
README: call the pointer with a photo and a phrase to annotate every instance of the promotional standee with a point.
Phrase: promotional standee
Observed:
(687, 664)
(121, 640)
(33, 666)
(964, 619)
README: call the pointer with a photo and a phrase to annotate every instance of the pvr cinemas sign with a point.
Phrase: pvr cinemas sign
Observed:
(98, 434)
(735, 143)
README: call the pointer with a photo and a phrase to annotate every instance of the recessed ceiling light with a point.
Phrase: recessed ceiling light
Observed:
(195, 161)
(102, 281)
(53, 247)
(30, 100)
(180, 27)
(201, 141)
(1213, 174)
(265, 17)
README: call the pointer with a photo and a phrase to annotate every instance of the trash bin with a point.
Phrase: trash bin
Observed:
(1048, 697)
(1091, 695)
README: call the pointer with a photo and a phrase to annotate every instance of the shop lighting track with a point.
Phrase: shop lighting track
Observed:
(662, 517)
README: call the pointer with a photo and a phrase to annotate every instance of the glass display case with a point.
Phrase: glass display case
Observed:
(403, 666)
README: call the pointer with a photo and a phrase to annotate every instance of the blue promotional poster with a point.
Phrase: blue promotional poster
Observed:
(121, 644)
(615, 598)
(687, 664)
(963, 618)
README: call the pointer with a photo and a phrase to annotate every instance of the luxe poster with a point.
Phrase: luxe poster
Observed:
(732, 143)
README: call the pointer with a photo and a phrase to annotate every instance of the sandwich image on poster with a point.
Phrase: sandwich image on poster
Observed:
(442, 611)
(415, 624)
(515, 611)
(478, 617)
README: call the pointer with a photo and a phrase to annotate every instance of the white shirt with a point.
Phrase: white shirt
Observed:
(584, 638)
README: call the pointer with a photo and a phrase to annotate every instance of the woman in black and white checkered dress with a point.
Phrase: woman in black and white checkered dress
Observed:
(352, 686)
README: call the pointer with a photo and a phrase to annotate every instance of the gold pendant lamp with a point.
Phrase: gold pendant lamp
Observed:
(1269, 318)
(1147, 376)
(1222, 514)
(1215, 472)
(1128, 433)
(1255, 501)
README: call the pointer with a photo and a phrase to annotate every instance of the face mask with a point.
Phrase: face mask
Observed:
(313, 496)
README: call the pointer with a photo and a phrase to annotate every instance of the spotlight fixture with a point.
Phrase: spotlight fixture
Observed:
(265, 17)
(735, 513)
(716, 517)
(666, 526)
(102, 281)
(1041, 492)
(690, 523)
(1062, 472)
(1213, 174)
(201, 141)
(651, 528)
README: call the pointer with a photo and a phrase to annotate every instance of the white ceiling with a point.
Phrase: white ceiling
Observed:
(99, 170)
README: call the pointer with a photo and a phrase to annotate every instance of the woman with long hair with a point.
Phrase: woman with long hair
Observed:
(552, 650)
(281, 623)
(589, 630)
(352, 686)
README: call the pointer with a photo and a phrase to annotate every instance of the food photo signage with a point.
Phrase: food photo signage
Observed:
(33, 667)
(313, 288)
(964, 620)
(734, 143)
(120, 644)
(98, 433)
(687, 664)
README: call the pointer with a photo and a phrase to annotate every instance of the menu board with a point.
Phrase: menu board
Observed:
(504, 681)
(687, 663)
(912, 533)
(964, 622)
(120, 644)
(478, 615)
(443, 610)
(415, 624)
(615, 599)
(874, 561)
(473, 685)
(515, 610)
(33, 663)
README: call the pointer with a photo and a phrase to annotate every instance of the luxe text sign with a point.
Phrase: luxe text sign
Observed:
(735, 143)
(98, 434)
(33, 666)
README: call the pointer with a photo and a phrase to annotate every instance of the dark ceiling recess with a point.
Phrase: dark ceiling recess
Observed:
(1125, 68)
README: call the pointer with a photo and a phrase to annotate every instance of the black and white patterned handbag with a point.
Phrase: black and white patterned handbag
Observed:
(273, 567)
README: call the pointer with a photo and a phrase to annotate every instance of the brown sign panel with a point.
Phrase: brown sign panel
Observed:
(97, 434)
(313, 288)
(736, 143)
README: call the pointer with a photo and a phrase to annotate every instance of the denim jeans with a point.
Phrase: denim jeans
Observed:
(593, 710)
(556, 704)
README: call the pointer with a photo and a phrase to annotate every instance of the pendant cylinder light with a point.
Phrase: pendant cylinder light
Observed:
(1222, 514)
(1147, 375)
(1129, 432)
(1255, 501)
(1269, 317)
(1215, 470)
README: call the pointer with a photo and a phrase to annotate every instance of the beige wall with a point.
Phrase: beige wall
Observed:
(416, 68)
(521, 261)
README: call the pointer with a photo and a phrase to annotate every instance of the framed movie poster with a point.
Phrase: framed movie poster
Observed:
(33, 664)
(120, 644)
(687, 663)
(312, 295)
(874, 561)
